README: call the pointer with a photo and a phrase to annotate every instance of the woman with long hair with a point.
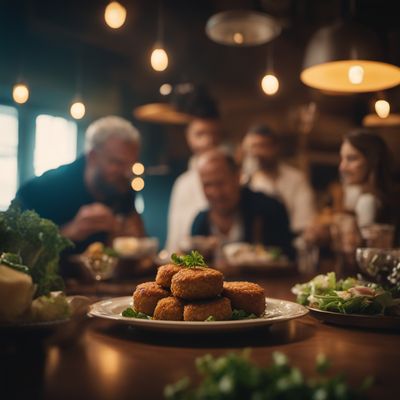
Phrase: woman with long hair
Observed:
(365, 173)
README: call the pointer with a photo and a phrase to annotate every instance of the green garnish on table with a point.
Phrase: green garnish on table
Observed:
(235, 377)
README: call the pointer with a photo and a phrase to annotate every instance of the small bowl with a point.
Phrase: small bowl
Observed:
(133, 247)
(380, 265)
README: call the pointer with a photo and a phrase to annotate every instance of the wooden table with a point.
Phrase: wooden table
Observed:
(97, 359)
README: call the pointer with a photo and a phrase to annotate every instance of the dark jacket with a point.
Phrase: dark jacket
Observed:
(58, 195)
(264, 218)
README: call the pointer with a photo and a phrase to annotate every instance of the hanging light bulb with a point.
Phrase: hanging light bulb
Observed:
(382, 108)
(159, 59)
(270, 84)
(238, 38)
(77, 110)
(165, 89)
(115, 15)
(20, 93)
(356, 74)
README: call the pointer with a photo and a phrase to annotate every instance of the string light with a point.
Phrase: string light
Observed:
(238, 38)
(137, 184)
(115, 15)
(20, 93)
(78, 110)
(270, 84)
(165, 89)
(138, 168)
(159, 59)
(382, 108)
(356, 74)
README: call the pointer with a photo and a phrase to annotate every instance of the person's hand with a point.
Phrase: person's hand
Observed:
(90, 219)
(129, 225)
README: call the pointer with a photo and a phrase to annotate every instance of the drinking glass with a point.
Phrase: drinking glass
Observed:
(346, 238)
(378, 235)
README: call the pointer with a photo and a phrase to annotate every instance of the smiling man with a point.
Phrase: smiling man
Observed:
(236, 213)
(91, 198)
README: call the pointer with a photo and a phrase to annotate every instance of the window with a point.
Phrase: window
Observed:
(55, 143)
(8, 155)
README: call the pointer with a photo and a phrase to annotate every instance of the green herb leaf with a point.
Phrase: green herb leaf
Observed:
(192, 260)
(110, 252)
(210, 318)
(131, 313)
(235, 377)
(241, 314)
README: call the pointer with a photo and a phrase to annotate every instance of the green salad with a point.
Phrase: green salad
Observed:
(347, 296)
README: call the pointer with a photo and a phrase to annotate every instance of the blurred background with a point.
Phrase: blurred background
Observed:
(64, 51)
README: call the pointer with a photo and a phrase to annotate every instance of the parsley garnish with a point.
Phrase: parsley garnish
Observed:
(234, 376)
(131, 313)
(192, 260)
(241, 314)
(210, 318)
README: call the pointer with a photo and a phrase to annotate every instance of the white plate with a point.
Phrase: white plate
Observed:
(356, 320)
(276, 311)
(76, 302)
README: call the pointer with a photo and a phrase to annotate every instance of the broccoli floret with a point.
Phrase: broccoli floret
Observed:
(37, 241)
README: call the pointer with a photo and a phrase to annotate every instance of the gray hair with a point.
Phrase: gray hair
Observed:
(219, 153)
(111, 126)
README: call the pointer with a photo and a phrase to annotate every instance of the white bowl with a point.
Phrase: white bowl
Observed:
(127, 246)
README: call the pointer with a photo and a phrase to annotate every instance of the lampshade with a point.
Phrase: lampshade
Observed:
(347, 57)
(242, 28)
(373, 120)
(161, 113)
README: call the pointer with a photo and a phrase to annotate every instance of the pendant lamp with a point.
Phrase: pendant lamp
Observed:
(242, 28)
(347, 57)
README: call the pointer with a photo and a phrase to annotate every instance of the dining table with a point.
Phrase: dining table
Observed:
(97, 358)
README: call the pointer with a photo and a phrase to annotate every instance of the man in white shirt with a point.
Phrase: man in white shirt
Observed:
(264, 172)
(187, 197)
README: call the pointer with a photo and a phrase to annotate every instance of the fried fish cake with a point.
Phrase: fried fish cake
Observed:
(246, 296)
(146, 297)
(220, 309)
(169, 309)
(197, 283)
(165, 274)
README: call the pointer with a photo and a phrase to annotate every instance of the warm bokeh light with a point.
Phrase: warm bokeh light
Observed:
(137, 184)
(138, 168)
(165, 89)
(238, 38)
(270, 84)
(356, 74)
(20, 93)
(78, 110)
(335, 76)
(382, 108)
(115, 15)
(159, 59)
